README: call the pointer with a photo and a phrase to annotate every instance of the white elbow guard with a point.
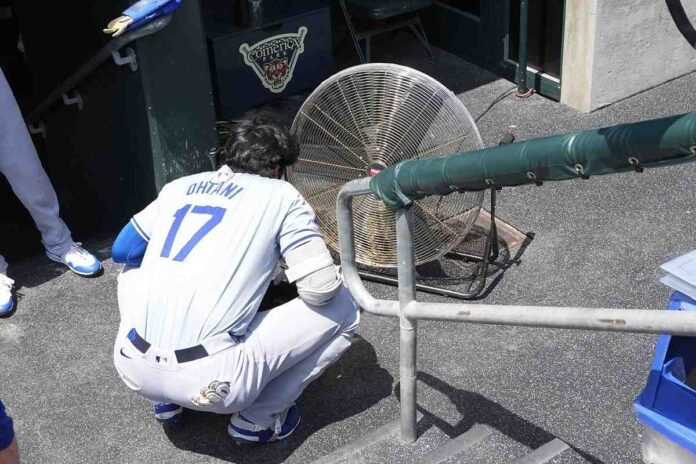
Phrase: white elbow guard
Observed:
(312, 267)
(320, 287)
(307, 258)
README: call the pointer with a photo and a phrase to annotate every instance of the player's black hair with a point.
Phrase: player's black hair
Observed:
(260, 146)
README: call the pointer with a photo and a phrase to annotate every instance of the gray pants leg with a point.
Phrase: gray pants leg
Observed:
(276, 334)
(20, 164)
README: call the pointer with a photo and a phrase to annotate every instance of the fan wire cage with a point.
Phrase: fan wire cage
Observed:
(365, 119)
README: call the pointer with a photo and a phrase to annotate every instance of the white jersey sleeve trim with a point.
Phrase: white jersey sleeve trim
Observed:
(300, 241)
(139, 230)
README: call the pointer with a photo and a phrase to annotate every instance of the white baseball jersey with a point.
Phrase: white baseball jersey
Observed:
(213, 242)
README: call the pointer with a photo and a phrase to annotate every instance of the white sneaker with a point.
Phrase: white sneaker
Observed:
(78, 260)
(6, 295)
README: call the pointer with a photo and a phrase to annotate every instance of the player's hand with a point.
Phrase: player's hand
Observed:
(118, 26)
(280, 276)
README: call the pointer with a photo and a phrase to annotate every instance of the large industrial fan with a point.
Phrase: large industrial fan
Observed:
(369, 117)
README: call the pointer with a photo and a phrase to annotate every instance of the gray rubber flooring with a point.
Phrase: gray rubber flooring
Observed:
(598, 243)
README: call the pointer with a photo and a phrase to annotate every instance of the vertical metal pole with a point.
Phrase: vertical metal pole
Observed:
(408, 327)
(522, 90)
(351, 31)
(256, 7)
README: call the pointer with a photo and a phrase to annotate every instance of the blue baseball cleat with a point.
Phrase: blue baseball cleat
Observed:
(245, 431)
(7, 299)
(168, 413)
(78, 260)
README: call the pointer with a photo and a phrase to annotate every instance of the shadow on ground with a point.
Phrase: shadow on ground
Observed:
(502, 265)
(459, 272)
(349, 387)
(38, 269)
(475, 408)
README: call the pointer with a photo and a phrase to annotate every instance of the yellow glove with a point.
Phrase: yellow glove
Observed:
(118, 26)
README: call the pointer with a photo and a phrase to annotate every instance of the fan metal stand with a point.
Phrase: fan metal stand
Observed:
(479, 276)
(490, 254)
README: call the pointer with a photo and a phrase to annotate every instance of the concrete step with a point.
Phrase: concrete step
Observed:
(496, 448)
(481, 444)
(383, 445)
(458, 445)
(392, 451)
(569, 456)
(544, 454)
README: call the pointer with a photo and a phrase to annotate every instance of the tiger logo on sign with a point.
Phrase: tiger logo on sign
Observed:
(274, 59)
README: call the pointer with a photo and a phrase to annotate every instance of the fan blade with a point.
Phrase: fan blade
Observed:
(327, 170)
(326, 128)
(371, 116)
(412, 135)
(444, 148)
(375, 232)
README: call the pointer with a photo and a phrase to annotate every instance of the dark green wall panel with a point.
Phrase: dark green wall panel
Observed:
(137, 130)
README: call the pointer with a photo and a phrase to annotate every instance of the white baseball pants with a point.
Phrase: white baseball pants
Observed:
(284, 350)
(20, 164)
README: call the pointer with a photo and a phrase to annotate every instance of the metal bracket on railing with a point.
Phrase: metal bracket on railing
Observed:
(37, 128)
(76, 99)
(130, 58)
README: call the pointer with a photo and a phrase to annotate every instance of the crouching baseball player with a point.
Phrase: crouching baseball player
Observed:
(198, 262)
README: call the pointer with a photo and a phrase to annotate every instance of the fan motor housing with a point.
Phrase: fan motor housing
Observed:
(375, 168)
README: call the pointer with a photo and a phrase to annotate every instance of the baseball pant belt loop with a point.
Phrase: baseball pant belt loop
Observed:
(208, 347)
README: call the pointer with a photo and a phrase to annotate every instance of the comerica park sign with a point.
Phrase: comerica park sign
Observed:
(274, 59)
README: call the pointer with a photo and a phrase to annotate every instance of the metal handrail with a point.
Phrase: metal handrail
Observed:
(346, 240)
(93, 63)
(409, 310)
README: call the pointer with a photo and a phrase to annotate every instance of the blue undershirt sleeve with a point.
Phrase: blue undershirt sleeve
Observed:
(129, 247)
(6, 429)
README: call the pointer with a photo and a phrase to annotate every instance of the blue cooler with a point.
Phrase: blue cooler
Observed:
(667, 405)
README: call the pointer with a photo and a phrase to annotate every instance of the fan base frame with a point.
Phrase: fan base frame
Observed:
(491, 252)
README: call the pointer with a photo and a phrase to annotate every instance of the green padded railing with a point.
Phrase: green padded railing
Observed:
(616, 149)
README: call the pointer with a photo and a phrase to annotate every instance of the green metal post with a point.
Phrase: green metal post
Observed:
(522, 90)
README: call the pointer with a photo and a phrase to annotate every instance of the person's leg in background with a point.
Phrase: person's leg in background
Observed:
(20, 164)
(9, 452)
(7, 295)
(291, 346)
(7, 300)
